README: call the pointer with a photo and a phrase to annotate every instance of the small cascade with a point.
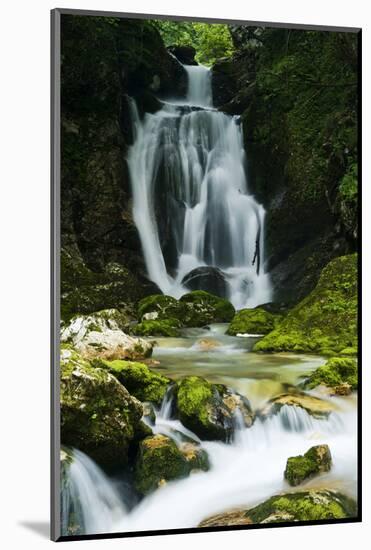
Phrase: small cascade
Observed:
(90, 502)
(191, 202)
(167, 403)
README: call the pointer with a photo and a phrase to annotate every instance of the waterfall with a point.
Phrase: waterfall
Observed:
(191, 202)
(90, 502)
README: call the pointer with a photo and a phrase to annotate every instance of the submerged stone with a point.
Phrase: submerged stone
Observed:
(315, 461)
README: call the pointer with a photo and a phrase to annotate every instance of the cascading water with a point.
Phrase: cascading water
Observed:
(191, 203)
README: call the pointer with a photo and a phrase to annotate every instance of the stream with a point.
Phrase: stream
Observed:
(243, 472)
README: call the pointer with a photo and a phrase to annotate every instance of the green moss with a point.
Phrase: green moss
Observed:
(165, 306)
(138, 379)
(252, 321)
(303, 506)
(203, 308)
(326, 320)
(164, 327)
(158, 460)
(336, 371)
(300, 468)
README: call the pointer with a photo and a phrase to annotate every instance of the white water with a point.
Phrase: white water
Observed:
(190, 196)
(243, 473)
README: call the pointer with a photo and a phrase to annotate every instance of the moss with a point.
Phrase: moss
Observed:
(138, 379)
(252, 321)
(335, 372)
(98, 415)
(207, 308)
(158, 460)
(165, 306)
(326, 320)
(164, 327)
(300, 468)
(201, 409)
(303, 506)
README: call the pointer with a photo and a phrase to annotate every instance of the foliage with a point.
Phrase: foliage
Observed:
(210, 40)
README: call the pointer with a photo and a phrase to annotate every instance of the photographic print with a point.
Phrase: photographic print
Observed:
(205, 274)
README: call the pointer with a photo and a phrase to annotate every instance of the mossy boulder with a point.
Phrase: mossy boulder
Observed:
(195, 309)
(142, 382)
(326, 320)
(160, 460)
(165, 327)
(98, 415)
(252, 321)
(209, 410)
(315, 461)
(336, 373)
(203, 308)
(302, 506)
(318, 408)
(101, 335)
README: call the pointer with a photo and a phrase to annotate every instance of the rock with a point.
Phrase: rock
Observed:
(315, 461)
(318, 408)
(326, 320)
(184, 54)
(165, 327)
(302, 506)
(142, 382)
(207, 344)
(252, 321)
(196, 457)
(98, 415)
(203, 308)
(149, 413)
(210, 279)
(209, 410)
(338, 373)
(160, 460)
(101, 335)
(195, 309)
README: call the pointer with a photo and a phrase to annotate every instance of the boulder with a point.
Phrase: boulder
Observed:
(160, 460)
(195, 309)
(302, 506)
(100, 335)
(98, 415)
(209, 410)
(326, 320)
(303, 467)
(318, 408)
(210, 279)
(184, 54)
(340, 374)
(156, 327)
(142, 382)
(252, 321)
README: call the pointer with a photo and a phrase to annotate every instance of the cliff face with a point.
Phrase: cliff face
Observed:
(296, 94)
(104, 60)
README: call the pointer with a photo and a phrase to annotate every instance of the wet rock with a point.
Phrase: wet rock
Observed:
(100, 335)
(98, 415)
(253, 321)
(142, 382)
(318, 408)
(209, 410)
(160, 460)
(210, 279)
(303, 467)
(301, 506)
(207, 344)
(184, 54)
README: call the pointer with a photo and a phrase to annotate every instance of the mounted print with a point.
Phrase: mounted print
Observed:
(205, 217)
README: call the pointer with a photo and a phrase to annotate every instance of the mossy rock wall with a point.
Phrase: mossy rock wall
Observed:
(326, 320)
